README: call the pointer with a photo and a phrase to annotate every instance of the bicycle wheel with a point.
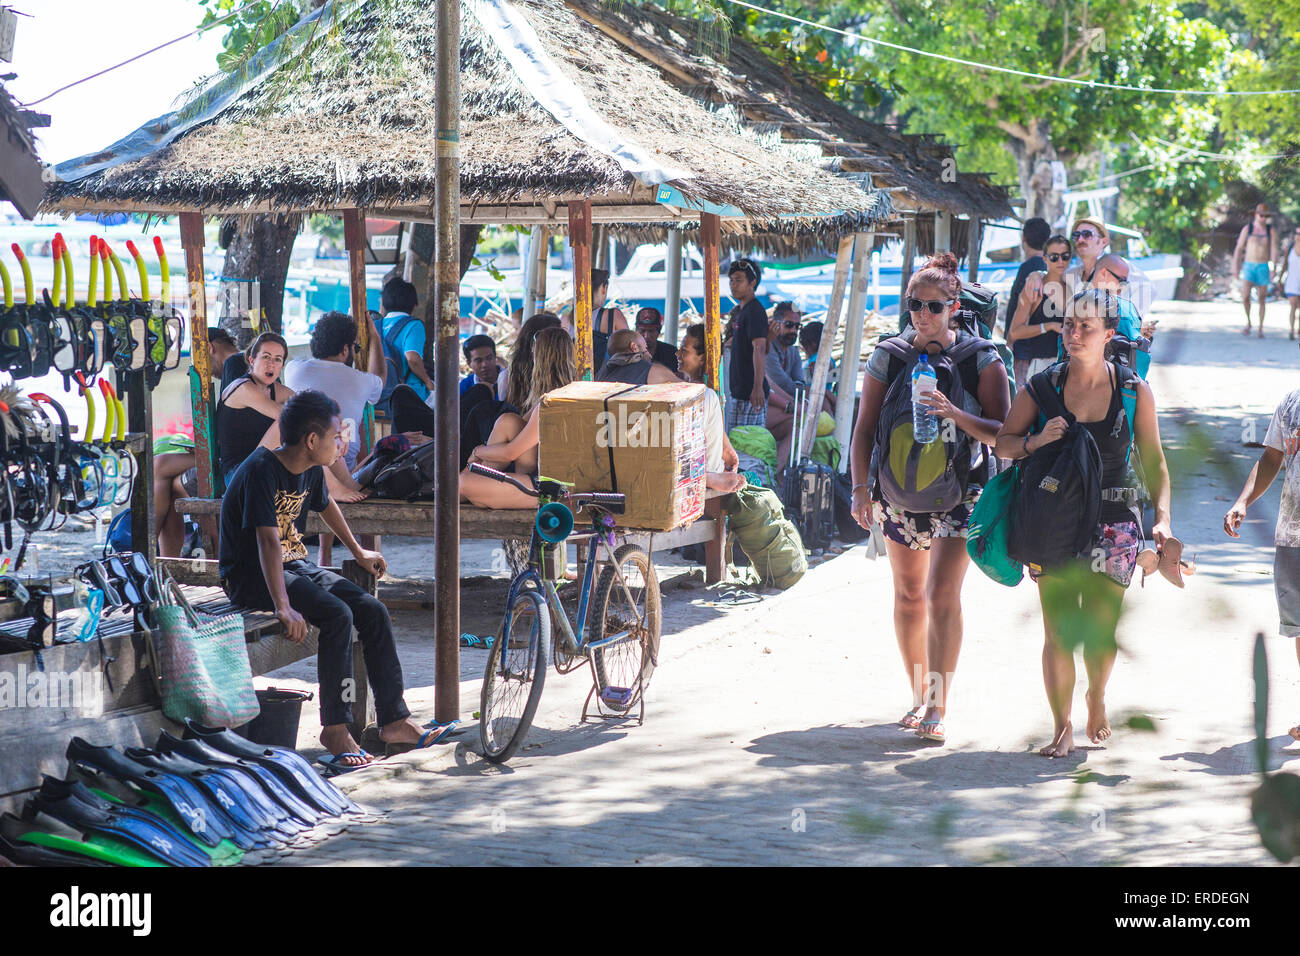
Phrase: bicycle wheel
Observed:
(623, 669)
(515, 675)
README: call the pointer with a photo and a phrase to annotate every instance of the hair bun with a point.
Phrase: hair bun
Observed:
(944, 262)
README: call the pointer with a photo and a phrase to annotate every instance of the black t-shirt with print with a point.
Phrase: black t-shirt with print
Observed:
(750, 323)
(262, 493)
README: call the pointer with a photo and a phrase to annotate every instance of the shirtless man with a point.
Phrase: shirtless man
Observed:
(1257, 247)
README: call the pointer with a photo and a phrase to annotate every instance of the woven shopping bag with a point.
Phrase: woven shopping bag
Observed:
(203, 663)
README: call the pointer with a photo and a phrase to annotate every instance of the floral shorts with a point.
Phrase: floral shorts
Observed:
(916, 530)
(1113, 551)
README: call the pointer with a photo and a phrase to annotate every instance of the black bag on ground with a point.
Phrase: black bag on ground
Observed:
(846, 529)
(409, 475)
(1060, 490)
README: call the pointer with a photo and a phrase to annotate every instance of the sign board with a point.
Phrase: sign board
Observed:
(8, 24)
(1060, 180)
(384, 238)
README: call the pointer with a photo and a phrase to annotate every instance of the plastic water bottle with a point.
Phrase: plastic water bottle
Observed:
(925, 427)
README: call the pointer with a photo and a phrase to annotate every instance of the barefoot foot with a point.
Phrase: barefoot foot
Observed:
(1098, 729)
(1062, 744)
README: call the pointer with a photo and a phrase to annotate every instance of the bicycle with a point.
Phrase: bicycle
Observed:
(615, 630)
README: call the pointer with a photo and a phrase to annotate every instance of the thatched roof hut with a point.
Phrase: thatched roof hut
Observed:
(918, 169)
(350, 124)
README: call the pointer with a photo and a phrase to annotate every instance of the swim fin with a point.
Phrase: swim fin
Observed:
(292, 768)
(75, 805)
(208, 755)
(206, 822)
(31, 854)
(224, 853)
(218, 786)
(94, 848)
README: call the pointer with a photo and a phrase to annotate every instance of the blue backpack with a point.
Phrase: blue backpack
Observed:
(397, 372)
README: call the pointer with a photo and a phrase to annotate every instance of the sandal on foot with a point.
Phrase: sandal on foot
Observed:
(436, 734)
(334, 763)
(909, 721)
(931, 730)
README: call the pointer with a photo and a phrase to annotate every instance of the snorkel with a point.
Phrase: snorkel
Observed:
(166, 272)
(29, 290)
(57, 253)
(9, 287)
(94, 273)
(140, 267)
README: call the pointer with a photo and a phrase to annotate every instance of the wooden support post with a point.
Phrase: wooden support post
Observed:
(710, 240)
(191, 224)
(942, 232)
(354, 240)
(973, 237)
(673, 298)
(909, 253)
(540, 252)
(139, 418)
(821, 370)
(443, 318)
(580, 243)
(854, 318)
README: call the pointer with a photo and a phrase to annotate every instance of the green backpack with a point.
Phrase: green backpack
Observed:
(757, 441)
(989, 528)
(770, 540)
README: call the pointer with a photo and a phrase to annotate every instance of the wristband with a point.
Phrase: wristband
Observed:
(861, 484)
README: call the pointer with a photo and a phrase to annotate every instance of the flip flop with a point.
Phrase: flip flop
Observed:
(1172, 565)
(931, 730)
(473, 640)
(909, 721)
(1294, 732)
(334, 765)
(436, 734)
(1148, 560)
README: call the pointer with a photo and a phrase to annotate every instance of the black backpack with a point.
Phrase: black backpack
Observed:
(409, 475)
(1059, 499)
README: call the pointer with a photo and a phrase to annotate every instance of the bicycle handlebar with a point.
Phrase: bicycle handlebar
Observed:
(609, 500)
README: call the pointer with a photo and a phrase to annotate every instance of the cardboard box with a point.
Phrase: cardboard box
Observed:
(654, 435)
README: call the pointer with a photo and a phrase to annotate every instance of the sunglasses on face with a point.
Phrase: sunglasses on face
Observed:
(1083, 234)
(1058, 257)
(936, 306)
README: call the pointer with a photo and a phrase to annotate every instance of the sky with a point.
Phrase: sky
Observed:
(64, 40)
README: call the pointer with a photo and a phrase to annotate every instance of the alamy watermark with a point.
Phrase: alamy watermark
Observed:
(77, 690)
(636, 428)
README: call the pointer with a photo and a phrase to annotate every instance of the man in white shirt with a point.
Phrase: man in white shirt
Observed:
(1281, 453)
(329, 370)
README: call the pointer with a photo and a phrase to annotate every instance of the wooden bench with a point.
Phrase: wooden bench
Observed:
(415, 519)
(109, 696)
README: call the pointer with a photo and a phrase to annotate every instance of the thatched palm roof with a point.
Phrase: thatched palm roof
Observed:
(358, 131)
(761, 90)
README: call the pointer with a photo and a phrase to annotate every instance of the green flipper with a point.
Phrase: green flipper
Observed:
(96, 846)
(224, 853)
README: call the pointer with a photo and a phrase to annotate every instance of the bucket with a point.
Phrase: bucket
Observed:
(277, 724)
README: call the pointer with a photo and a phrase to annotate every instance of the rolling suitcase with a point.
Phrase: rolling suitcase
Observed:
(809, 488)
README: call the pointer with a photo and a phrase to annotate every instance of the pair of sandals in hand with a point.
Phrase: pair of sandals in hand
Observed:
(1168, 561)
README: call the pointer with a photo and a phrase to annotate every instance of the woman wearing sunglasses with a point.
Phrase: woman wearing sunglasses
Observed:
(1035, 328)
(927, 551)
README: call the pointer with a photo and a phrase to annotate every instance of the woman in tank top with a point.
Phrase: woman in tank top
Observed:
(248, 411)
(1035, 328)
(1090, 390)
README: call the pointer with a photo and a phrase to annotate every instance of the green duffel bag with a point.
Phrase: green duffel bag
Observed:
(770, 540)
(989, 528)
(757, 441)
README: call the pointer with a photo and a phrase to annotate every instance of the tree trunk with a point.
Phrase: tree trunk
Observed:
(254, 273)
(1032, 147)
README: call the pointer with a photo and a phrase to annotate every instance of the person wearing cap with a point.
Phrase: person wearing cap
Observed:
(1256, 250)
(747, 387)
(650, 322)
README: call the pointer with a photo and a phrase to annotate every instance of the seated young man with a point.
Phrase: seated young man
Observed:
(263, 566)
